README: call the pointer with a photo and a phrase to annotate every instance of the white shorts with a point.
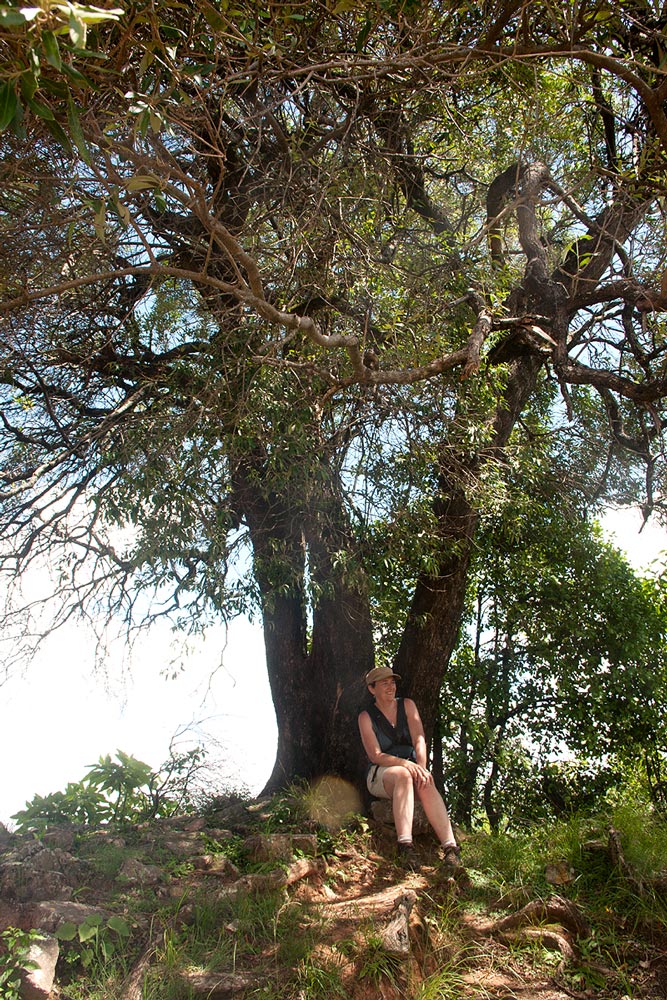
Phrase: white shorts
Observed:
(374, 782)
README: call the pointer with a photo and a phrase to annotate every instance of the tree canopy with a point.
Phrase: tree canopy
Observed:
(563, 656)
(297, 290)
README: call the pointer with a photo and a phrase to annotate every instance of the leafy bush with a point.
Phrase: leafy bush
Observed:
(124, 790)
(14, 948)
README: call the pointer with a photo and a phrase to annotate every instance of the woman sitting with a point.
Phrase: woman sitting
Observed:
(393, 738)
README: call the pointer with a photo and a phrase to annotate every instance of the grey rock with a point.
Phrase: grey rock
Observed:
(184, 844)
(381, 813)
(217, 986)
(37, 982)
(137, 872)
(63, 837)
(19, 881)
(281, 846)
(48, 915)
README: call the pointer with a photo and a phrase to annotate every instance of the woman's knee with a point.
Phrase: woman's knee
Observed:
(398, 780)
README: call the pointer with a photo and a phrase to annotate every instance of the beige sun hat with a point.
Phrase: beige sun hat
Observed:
(379, 674)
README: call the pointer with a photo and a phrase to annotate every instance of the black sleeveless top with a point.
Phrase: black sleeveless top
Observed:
(396, 739)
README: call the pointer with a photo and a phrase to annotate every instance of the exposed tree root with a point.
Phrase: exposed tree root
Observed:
(520, 926)
(552, 911)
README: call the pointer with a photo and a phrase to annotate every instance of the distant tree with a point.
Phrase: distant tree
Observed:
(565, 654)
(293, 289)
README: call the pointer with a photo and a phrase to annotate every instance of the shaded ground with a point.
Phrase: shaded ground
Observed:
(217, 911)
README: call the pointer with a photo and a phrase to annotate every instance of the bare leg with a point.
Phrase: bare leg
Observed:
(399, 786)
(436, 813)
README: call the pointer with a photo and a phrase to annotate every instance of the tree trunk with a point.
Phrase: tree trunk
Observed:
(432, 626)
(433, 621)
(341, 654)
(492, 813)
(318, 695)
(463, 796)
(318, 686)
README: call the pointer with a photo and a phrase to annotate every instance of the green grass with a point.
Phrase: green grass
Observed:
(375, 963)
(445, 984)
(318, 980)
(105, 856)
(291, 950)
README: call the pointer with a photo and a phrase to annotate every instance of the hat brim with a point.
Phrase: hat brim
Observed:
(383, 677)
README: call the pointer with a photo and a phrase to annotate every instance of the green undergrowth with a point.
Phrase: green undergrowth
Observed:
(284, 945)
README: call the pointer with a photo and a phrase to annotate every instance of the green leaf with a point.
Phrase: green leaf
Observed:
(77, 31)
(60, 136)
(41, 110)
(107, 948)
(77, 132)
(142, 182)
(8, 104)
(212, 16)
(100, 220)
(66, 931)
(122, 211)
(74, 74)
(96, 15)
(28, 84)
(88, 53)
(11, 18)
(118, 925)
(87, 931)
(55, 87)
(362, 37)
(51, 50)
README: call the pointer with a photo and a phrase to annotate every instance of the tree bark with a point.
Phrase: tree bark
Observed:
(435, 614)
(317, 685)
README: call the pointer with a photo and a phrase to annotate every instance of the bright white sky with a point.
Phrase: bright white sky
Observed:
(60, 717)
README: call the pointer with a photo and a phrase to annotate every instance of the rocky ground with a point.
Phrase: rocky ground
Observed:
(378, 930)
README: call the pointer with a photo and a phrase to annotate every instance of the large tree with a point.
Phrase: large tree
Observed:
(310, 279)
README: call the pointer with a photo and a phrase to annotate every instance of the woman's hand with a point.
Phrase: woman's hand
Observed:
(420, 775)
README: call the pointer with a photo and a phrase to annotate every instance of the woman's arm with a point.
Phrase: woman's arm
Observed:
(417, 771)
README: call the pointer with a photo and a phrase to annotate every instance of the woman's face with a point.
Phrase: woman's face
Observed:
(386, 688)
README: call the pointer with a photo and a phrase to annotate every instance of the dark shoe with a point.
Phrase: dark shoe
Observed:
(407, 857)
(451, 857)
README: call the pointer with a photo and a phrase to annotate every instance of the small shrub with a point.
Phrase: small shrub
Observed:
(96, 939)
(288, 811)
(234, 849)
(445, 984)
(14, 949)
(120, 790)
(124, 790)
